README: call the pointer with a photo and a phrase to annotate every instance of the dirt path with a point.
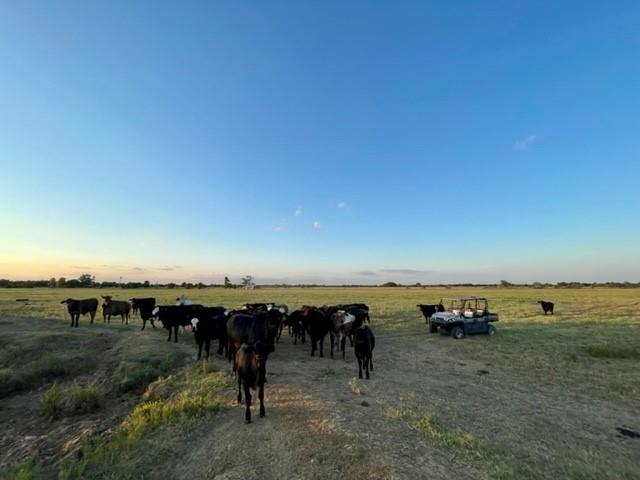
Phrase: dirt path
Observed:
(317, 428)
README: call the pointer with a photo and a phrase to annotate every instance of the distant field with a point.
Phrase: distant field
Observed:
(590, 349)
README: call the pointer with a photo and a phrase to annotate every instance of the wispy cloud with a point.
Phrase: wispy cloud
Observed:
(404, 271)
(316, 225)
(278, 228)
(525, 143)
(341, 205)
(170, 268)
(139, 269)
(366, 273)
(298, 211)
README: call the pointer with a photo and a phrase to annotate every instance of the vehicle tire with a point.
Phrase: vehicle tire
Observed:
(433, 328)
(457, 333)
(491, 330)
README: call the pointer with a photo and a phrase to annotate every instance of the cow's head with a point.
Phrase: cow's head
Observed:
(67, 301)
(155, 312)
(194, 324)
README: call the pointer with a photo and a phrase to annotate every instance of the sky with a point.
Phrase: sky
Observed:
(320, 142)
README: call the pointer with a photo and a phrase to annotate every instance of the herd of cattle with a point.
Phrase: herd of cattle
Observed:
(247, 336)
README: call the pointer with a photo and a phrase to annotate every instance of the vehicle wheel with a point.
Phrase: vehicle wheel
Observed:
(433, 328)
(457, 333)
(491, 330)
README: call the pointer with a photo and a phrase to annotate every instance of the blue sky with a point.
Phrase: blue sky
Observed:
(416, 141)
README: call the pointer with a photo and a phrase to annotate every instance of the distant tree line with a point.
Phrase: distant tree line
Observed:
(87, 280)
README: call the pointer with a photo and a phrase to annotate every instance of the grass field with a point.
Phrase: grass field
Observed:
(144, 393)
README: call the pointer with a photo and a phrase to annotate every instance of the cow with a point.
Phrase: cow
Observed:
(257, 306)
(183, 300)
(209, 325)
(81, 307)
(317, 326)
(428, 310)
(342, 324)
(251, 373)
(175, 316)
(145, 306)
(364, 341)
(115, 307)
(546, 306)
(296, 326)
(351, 306)
(252, 330)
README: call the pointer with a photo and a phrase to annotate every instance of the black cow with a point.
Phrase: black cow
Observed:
(342, 323)
(211, 324)
(428, 310)
(252, 330)
(317, 326)
(546, 306)
(81, 307)
(364, 342)
(350, 306)
(295, 325)
(175, 316)
(145, 306)
(251, 372)
(115, 307)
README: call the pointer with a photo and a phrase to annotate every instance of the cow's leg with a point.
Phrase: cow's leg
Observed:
(304, 336)
(207, 344)
(343, 344)
(247, 402)
(72, 320)
(331, 340)
(144, 323)
(239, 390)
(199, 348)
(169, 339)
(322, 346)
(371, 360)
(313, 347)
(220, 346)
(152, 324)
(261, 397)
(359, 366)
(366, 366)
(175, 333)
(92, 315)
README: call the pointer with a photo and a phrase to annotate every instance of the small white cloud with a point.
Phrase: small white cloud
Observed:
(316, 225)
(341, 205)
(298, 211)
(525, 142)
(278, 228)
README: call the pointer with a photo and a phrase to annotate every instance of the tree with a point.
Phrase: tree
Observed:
(505, 284)
(52, 282)
(61, 282)
(87, 280)
(247, 282)
(227, 283)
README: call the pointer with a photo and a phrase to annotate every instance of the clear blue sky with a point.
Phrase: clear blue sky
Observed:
(320, 141)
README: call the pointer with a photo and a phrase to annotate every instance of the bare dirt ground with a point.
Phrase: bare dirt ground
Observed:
(312, 413)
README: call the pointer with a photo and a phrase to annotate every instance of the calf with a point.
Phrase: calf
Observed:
(296, 326)
(428, 310)
(115, 307)
(145, 306)
(81, 307)
(251, 372)
(317, 326)
(183, 300)
(175, 316)
(211, 324)
(342, 323)
(546, 306)
(364, 342)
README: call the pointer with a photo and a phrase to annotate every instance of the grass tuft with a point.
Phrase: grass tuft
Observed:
(51, 402)
(614, 351)
(356, 389)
